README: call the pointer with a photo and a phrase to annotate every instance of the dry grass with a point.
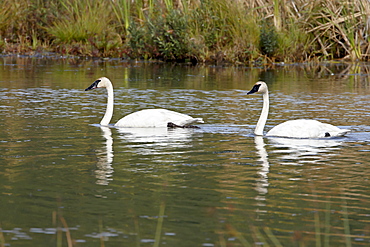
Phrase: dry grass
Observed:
(243, 31)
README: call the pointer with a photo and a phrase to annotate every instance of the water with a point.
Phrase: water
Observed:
(64, 178)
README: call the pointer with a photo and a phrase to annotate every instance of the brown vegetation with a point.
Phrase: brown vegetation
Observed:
(218, 31)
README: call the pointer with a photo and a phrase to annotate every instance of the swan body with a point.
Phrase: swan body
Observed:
(156, 118)
(300, 128)
(149, 118)
(306, 128)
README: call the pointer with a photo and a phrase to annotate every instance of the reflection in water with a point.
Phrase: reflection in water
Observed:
(195, 172)
(104, 166)
(160, 142)
(152, 140)
(262, 182)
(304, 150)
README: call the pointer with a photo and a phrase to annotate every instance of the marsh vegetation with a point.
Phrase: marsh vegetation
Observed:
(217, 31)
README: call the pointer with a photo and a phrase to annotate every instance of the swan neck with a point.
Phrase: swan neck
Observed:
(264, 114)
(109, 111)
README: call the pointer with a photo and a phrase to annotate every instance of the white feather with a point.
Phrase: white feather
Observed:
(306, 128)
(301, 128)
(149, 118)
(156, 118)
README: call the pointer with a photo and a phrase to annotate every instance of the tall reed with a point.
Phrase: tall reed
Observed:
(241, 31)
(122, 10)
(79, 20)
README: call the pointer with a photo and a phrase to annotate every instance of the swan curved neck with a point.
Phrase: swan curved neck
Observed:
(109, 111)
(264, 113)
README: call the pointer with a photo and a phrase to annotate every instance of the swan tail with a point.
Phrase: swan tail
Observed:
(198, 120)
(192, 121)
(188, 123)
(342, 132)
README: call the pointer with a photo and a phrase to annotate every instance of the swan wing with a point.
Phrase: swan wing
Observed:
(156, 118)
(303, 128)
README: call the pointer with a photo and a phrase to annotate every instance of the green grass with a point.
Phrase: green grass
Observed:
(79, 21)
(242, 31)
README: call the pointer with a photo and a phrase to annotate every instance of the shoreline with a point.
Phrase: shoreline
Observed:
(56, 56)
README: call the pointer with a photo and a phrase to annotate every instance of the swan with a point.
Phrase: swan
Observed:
(300, 128)
(149, 118)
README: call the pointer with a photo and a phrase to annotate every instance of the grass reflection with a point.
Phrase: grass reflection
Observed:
(266, 236)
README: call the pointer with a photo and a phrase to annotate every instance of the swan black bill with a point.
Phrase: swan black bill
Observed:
(255, 89)
(93, 86)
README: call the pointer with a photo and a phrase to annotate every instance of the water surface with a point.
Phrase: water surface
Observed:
(65, 178)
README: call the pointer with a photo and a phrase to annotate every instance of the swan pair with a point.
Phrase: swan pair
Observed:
(161, 118)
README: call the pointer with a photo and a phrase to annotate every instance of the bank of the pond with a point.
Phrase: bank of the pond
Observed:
(193, 31)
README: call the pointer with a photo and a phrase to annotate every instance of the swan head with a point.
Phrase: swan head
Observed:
(101, 82)
(259, 87)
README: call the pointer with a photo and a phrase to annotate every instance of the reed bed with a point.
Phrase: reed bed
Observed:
(196, 31)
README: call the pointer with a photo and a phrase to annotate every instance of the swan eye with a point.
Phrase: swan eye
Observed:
(327, 134)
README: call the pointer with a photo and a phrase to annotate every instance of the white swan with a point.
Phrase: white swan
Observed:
(149, 118)
(301, 128)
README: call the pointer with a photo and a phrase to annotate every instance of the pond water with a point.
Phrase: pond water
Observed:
(66, 181)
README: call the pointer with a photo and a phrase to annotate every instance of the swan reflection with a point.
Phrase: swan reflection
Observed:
(152, 140)
(159, 144)
(262, 182)
(104, 169)
(296, 150)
